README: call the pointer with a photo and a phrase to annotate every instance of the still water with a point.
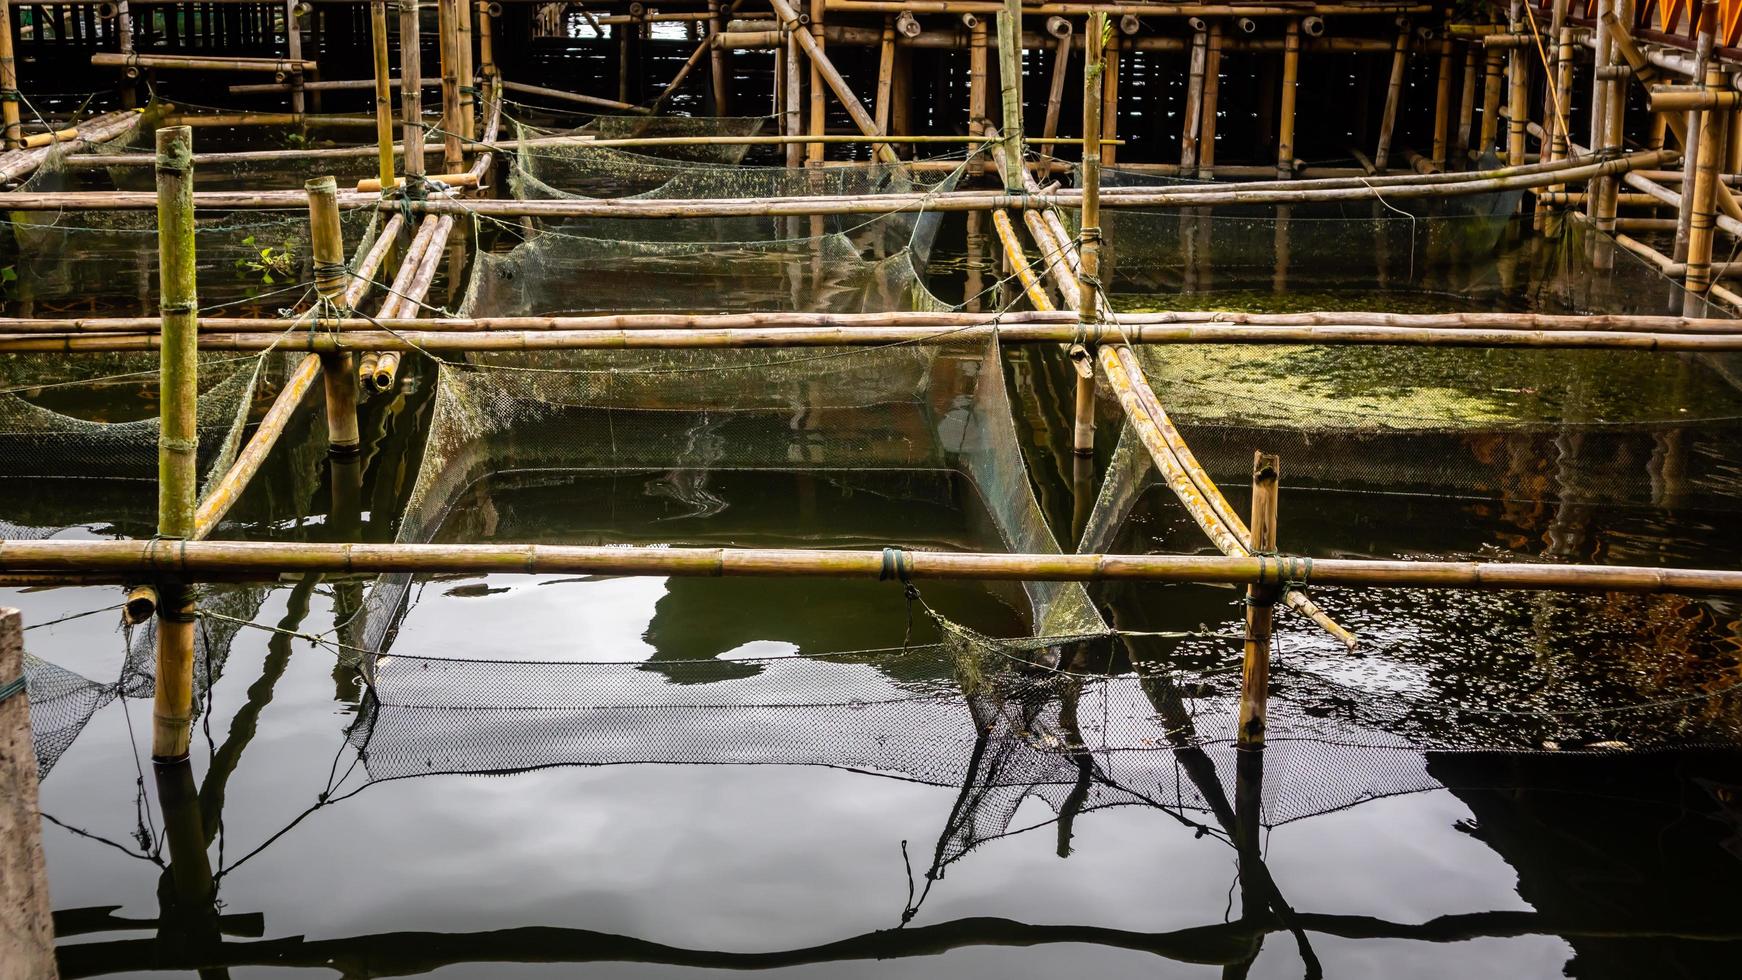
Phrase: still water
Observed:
(711, 850)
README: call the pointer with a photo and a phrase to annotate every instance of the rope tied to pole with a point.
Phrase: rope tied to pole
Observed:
(14, 686)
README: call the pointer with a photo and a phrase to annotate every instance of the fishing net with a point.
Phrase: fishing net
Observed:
(286, 171)
(560, 163)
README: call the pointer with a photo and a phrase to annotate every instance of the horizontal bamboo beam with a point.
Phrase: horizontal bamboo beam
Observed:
(559, 94)
(108, 59)
(1350, 319)
(270, 559)
(1137, 9)
(774, 337)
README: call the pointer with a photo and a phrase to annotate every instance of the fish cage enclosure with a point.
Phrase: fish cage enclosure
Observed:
(860, 486)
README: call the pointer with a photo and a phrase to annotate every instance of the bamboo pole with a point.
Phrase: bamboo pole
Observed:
(467, 69)
(411, 94)
(1394, 98)
(1010, 91)
(1467, 100)
(27, 942)
(269, 559)
(717, 62)
(1061, 63)
(383, 90)
(1286, 110)
(293, 50)
(815, 153)
(1490, 129)
(1690, 136)
(1212, 96)
(338, 370)
(1260, 606)
(1518, 94)
(885, 74)
(10, 125)
(178, 435)
(1702, 202)
(1089, 238)
(589, 100)
(1442, 104)
(487, 38)
(228, 490)
(1194, 114)
(448, 48)
(794, 123)
(977, 74)
(1110, 100)
(134, 62)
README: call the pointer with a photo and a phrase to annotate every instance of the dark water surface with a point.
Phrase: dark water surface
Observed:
(335, 855)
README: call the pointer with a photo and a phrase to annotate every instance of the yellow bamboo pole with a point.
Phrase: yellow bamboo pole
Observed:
(9, 121)
(448, 48)
(1703, 199)
(383, 89)
(1285, 110)
(1443, 104)
(411, 92)
(178, 435)
(1260, 605)
(333, 280)
(1089, 239)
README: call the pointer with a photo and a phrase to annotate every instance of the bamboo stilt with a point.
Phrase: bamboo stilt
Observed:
(1467, 101)
(793, 123)
(1490, 130)
(1212, 96)
(27, 942)
(411, 94)
(1110, 101)
(338, 370)
(1260, 606)
(178, 436)
(977, 75)
(1286, 105)
(10, 125)
(718, 79)
(1089, 238)
(1194, 114)
(447, 46)
(816, 153)
(1703, 205)
(1061, 63)
(885, 74)
(383, 90)
(1393, 97)
(1518, 94)
(1708, 20)
(486, 38)
(466, 69)
(1442, 104)
(1010, 89)
(293, 50)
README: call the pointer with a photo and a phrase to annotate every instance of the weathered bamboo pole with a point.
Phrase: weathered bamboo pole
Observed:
(448, 51)
(817, 123)
(411, 94)
(383, 90)
(1110, 99)
(1467, 101)
(467, 68)
(269, 559)
(1702, 202)
(1212, 97)
(1194, 114)
(794, 122)
(334, 282)
(1708, 21)
(1010, 91)
(277, 66)
(178, 435)
(885, 75)
(590, 100)
(1442, 104)
(1393, 97)
(1286, 105)
(718, 79)
(403, 336)
(293, 50)
(1089, 238)
(1260, 606)
(1490, 129)
(487, 11)
(977, 73)
(1493, 321)
(1061, 63)
(27, 942)
(1518, 94)
(10, 125)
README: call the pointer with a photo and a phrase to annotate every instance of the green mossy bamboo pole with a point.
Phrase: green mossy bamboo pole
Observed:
(411, 94)
(383, 91)
(1089, 239)
(10, 126)
(178, 436)
(1260, 605)
(334, 282)
(1010, 91)
(198, 559)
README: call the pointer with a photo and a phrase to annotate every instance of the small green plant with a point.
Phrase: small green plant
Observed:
(268, 260)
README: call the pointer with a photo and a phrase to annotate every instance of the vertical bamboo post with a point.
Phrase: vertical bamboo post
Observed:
(1602, 59)
(9, 121)
(333, 281)
(1194, 114)
(1708, 26)
(447, 46)
(293, 50)
(1490, 130)
(1704, 199)
(193, 892)
(717, 61)
(124, 41)
(383, 91)
(885, 77)
(1060, 29)
(1212, 95)
(793, 123)
(976, 73)
(1110, 98)
(1467, 101)
(466, 68)
(1260, 604)
(1443, 102)
(27, 942)
(1393, 96)
(1010, 88)
(819, 114)
(486, 38)
(1089, 238)
(1285, 111)
(411, 94)
(178, 434)
(1518, 93)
